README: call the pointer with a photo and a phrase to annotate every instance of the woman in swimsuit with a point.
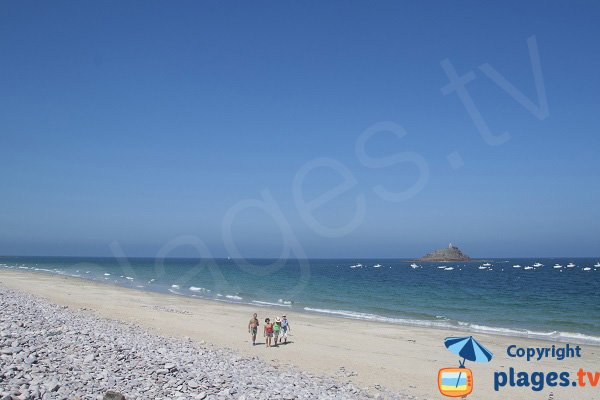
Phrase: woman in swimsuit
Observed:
(268, 332)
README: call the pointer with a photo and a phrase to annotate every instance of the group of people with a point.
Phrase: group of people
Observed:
(274, 332)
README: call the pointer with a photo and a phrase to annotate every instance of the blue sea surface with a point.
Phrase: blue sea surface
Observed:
(544, 302)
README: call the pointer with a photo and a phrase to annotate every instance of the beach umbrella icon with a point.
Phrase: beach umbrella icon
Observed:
(469, 349)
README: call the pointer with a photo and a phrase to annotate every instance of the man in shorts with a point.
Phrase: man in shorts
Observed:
(253, 328)
(285, 328)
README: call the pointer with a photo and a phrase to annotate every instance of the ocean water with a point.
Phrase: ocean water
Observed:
(560, 304)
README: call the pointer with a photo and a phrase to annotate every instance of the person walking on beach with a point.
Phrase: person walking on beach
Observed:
(268, 332)
(253, 328)
(276, 329)
(285, 328)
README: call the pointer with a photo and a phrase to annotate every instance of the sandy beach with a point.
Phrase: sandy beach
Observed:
(403, 359)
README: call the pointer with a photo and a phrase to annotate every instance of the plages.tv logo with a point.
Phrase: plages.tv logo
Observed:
(458, 382)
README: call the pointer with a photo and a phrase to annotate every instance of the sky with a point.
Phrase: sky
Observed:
(302, 129)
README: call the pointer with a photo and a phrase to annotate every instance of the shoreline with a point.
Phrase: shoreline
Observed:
(402, 358)
(48, 351)
(555, 337)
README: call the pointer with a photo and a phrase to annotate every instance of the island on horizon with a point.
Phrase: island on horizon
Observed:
(450, 253)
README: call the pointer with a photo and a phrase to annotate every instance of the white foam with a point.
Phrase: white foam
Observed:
(266, 303)
(464, 326)
(175, 286)
(578, 337)
(43, 269)
(107, 274)
(233, 297)
(197, 289)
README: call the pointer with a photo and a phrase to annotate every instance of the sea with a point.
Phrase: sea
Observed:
(499, 296)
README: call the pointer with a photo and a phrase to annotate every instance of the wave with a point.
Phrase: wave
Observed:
(233, 297)
(198, 289)
(43, 269)
(175, 286)
(464, 326)
(266, 303)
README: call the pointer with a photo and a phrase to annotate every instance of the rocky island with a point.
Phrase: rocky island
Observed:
(450, 253)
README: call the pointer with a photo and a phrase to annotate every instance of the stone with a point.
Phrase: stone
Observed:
(52, 386)
(89, 358)
(113, 395)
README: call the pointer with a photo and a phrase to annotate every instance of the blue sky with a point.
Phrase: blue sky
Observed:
(141, 122)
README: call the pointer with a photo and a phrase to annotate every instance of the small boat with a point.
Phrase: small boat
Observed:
(587, 269)
(557, 266)
(597, 265)
(486, 265)
(482, 267)
(448, 268)
(414, 266)
(537, 265)
(528, 267)
(442, 267)
(516, 266)
(377, 266)
(570, 265)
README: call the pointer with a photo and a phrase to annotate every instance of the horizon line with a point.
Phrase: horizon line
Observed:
(473, 259)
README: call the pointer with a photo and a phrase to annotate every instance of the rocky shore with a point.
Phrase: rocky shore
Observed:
(53, 352)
